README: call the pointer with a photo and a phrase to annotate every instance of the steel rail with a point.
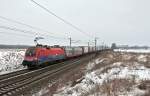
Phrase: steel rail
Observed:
(28, 74)
(12, 84)
(11, 74)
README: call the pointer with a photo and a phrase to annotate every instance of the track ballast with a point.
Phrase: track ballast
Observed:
(15, 84)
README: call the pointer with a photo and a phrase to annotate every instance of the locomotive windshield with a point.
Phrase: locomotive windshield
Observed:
(30, 52)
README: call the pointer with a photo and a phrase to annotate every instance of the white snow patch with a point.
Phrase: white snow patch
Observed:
(133, 50)
(91, 65)
(124, 72)
(134, 92)
(142, 58)
(11, 60)
(41, 92)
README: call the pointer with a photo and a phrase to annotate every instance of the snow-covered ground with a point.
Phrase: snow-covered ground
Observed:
(109, 74)
(118, 78)
(95, 79)
(11, 59)
(134, 50)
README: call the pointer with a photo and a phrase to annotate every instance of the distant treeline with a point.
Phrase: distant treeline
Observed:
(115, 46)
(134, 47)
(13, 46)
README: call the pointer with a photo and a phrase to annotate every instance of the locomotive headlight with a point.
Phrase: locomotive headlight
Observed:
(35, 58)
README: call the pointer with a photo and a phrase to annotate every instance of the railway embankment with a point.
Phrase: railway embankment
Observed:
(29, 81)
(108, 74)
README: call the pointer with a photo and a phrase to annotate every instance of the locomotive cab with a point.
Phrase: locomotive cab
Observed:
(30, 57)
(42, 56)
(30, 52)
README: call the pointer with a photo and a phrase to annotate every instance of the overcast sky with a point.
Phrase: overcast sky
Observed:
(119, 21)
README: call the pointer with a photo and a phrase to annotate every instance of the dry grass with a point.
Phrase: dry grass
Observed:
(69, 78)
(145, 85)
(116, 86)
(108, 87)
(111, 88)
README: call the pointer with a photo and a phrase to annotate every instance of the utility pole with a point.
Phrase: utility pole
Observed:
(95, 42)
(70, 41)
(88, 46)
(102, 45)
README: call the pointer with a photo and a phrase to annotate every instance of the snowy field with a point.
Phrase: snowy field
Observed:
(133, 50)
(108, 81)
(110, 74)
(11, 59)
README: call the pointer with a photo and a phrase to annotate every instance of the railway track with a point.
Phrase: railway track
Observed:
(13, 74)
(16, 83)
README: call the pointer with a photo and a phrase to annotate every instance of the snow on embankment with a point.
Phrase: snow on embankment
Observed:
(133, 50)
(11, 59)
(119, 78)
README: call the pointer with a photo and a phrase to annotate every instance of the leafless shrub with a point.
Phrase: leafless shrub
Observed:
(113, 87)
(145, 85)
(69, 78)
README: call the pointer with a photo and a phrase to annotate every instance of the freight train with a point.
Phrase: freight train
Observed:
(41, 55)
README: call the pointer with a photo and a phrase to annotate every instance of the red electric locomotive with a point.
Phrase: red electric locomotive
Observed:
(40, 55)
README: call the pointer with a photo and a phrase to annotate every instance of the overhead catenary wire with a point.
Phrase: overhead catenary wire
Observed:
(66, 22)
(19, 35)
(31, 33)
(10, 33)
(16, 29)
(27, 25)
(27, 32)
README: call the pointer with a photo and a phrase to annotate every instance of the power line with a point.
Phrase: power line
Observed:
(55, 37)
(15, 29)
(28, 32)
(31, 33)
(68, 23)
(18, 35)
(23, 35)
(32, 27)
(95, 43)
